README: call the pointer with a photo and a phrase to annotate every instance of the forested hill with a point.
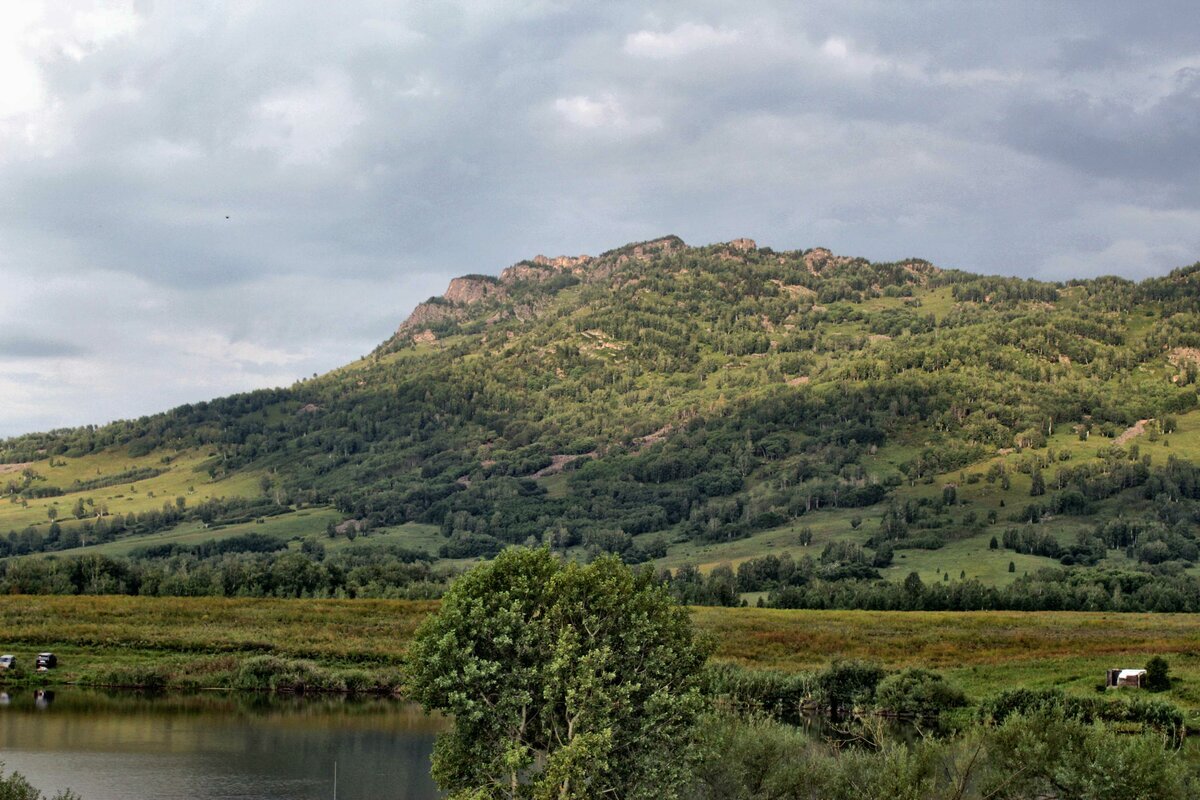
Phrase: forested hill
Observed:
(700, 393)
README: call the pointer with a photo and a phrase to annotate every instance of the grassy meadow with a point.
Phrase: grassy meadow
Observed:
(194, 641)
(983, 651)
(182, 474)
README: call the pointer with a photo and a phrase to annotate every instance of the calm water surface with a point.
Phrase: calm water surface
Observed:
(204, 747)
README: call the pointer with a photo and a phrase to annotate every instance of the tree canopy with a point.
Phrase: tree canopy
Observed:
(564, 680)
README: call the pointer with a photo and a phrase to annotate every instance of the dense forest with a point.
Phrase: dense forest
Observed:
(661, 394)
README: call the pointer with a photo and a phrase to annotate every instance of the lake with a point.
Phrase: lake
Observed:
(124, 746)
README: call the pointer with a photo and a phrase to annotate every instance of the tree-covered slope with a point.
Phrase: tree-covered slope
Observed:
(700, 394)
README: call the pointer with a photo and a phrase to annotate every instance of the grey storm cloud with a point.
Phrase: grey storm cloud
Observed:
(214, 196)
(1154, 141)
(21, 346)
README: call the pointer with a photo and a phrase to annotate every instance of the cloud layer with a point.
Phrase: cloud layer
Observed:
(212, 197)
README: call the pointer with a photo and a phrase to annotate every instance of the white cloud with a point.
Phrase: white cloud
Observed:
(686, 39)
(22, 89)
(307, 123)
(93, 26)
(34, 36)
(587, 112)
(217, 348)
(857, 61)
(604, 113)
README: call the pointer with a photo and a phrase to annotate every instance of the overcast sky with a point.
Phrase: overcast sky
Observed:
(203, 197)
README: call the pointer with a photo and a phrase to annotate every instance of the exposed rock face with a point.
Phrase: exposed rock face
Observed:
(559, 463)
(819, 259)
(427, 314)
(643, 251)
(462, 292)
(743, 244)
(470, 289)
(562, 262)
(658, 247)
(1182, 356)
(1136, 430)
(525, 272)
(541, 268)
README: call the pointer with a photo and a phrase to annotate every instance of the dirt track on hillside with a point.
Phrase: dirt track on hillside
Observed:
(1134, 431)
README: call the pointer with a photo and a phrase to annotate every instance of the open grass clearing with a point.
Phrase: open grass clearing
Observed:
(184, 475)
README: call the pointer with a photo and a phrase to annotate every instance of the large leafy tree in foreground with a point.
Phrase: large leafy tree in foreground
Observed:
(565, 681)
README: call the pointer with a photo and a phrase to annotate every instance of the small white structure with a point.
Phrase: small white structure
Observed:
(1125, 677)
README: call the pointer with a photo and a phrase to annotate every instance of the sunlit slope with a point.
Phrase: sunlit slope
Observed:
(713, 401)
(113, 482)
(966, 552)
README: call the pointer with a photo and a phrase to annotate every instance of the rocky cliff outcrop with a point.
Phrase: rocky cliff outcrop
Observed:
(483, 290)
(451, 306)
(430, 313)
(471, 289)
(541, 268)
(819, 259)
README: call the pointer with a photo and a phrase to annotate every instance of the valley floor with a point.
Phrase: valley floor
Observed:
(198, 642)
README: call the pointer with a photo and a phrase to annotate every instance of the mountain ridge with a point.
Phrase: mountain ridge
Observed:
(469, 290)
(661, 400)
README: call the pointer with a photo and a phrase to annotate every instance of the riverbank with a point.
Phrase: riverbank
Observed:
(339, 645)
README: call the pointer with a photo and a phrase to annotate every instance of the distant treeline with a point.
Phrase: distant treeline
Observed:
(251, 565)
(1162, 588)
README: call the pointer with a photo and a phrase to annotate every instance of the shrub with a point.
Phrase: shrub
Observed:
(917, 692)
(1049, 754)
(285, 675)
(757, 758)
(846, 685)
(1158, 674)
(133, 677)
(14, 787)
(1040, 755)
(777, 694)
(1157, 715)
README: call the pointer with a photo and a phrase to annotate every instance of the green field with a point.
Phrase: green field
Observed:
(302, 524)
(184, 474)
(191, 639)
(983, 652)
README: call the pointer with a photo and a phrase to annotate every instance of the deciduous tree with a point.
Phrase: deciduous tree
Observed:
(565, 681)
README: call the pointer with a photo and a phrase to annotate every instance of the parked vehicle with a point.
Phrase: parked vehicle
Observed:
(7, 661)
(46, 661)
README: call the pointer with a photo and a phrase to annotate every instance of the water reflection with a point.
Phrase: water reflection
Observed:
(129, 746)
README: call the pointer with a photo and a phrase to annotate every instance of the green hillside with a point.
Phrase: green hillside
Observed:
(690, 406)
